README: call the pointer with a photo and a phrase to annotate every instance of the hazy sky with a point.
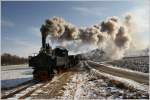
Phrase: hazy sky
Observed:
(21, 21)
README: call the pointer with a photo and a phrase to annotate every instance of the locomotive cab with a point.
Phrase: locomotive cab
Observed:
(61, 55)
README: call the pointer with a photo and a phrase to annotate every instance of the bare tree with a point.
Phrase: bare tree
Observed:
(8, 59)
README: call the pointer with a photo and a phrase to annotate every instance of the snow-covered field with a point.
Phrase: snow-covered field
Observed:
(140, 64)
(82, 82)
(11, 67)
(85, 85)
(97, 85)
(12, 76)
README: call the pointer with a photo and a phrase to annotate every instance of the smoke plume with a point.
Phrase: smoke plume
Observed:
(111, 35)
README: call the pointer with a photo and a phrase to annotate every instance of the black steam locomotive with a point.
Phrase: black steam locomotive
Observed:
(48, 61)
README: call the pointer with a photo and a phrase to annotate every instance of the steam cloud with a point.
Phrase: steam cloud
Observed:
(111, 35)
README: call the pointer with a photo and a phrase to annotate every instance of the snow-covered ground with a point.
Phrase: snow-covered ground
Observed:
(82, 83)
(140, 63)
(97, 85)
(11, 67)
(125, 81)
(121, 69)
(15, 75)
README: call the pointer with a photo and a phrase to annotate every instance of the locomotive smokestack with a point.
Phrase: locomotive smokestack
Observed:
(44, 34)
(43, 42)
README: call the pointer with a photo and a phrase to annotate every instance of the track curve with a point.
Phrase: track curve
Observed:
(138, 77)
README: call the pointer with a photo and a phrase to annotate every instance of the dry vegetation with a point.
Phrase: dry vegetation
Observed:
(8, 59)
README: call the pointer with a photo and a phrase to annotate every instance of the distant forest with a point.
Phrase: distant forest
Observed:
(8, 59)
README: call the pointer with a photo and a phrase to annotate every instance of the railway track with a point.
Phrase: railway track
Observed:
(32, 89)
(17, 89)
(138, 77)
(28, 88)
(31, 86)
(53, 89)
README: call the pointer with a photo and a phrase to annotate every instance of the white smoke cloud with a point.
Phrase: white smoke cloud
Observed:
(111, 35)
(140, 26)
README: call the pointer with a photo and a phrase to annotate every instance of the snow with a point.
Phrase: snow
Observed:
(128, 82)
(13, 67)
(121, 69)
(73, 88)
(13, 77)
(24, 92)
(97, 85)
(86, 85)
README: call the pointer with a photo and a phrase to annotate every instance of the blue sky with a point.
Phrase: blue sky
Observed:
(21, 21)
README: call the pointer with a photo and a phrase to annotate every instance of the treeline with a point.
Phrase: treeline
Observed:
(8, 59)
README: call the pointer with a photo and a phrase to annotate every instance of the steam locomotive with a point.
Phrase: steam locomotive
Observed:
(51, 61)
